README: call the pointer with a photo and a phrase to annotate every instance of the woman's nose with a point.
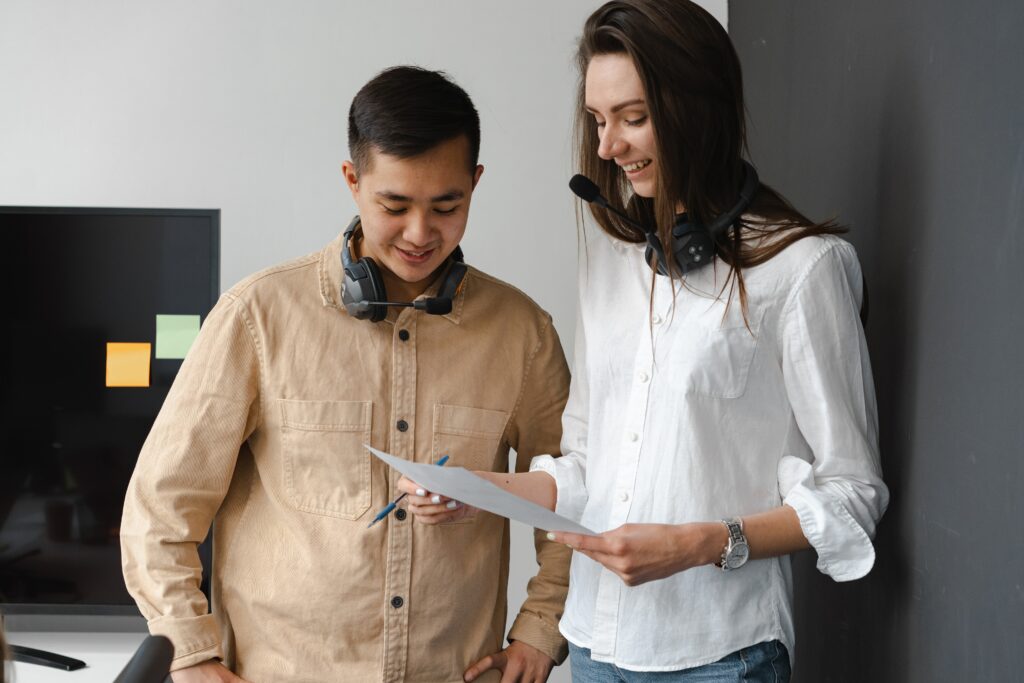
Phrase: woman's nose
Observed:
(610, 146)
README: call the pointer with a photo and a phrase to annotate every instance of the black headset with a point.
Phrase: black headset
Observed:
(363, 294)
(694, 245)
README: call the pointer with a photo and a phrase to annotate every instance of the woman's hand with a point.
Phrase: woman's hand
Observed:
(433, 508)
(639, 553)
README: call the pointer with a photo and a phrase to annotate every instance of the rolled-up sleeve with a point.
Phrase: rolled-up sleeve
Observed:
(570, 470)
(831, 472)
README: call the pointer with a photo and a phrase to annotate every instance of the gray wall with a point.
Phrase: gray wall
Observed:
(907, 119)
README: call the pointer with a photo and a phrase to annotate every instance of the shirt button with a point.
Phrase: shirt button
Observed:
(632, 436)
(624, 496)
(400, 514)
(397, 601)
(402, 425)
(403, 335)
(656, 319)
(643, 376)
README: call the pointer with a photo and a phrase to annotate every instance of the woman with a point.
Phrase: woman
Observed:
(721, 410)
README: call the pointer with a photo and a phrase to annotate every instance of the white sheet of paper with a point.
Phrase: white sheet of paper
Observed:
(462, 485)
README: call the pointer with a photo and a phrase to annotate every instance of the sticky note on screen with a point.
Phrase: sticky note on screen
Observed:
(128, 364)
(175, 334)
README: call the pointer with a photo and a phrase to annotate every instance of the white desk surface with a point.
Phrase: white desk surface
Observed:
(105, 654)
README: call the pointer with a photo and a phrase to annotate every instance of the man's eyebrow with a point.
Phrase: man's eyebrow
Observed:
(617, 107)
(449, 196)
(393, 196)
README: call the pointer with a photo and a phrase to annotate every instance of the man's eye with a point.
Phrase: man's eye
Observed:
(392, 211)
(447, 212)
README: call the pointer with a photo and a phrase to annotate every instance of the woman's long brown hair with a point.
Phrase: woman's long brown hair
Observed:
(694, 93)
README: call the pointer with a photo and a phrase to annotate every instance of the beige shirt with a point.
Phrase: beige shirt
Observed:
(262, 434)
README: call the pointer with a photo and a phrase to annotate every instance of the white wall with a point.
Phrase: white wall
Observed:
(242, 106)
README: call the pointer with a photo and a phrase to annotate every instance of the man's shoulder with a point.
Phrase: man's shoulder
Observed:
(493, 293)
(282, 276)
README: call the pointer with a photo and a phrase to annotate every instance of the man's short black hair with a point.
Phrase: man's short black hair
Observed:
(405, 111)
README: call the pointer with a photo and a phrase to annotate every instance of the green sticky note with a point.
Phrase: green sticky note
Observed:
(175, 334)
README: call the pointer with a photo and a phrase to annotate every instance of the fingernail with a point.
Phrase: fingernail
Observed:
(568, 546)
(551, 536)
(420, 492)
(452, 505)
(435, 499)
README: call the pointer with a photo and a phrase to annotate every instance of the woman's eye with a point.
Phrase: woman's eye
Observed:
(636, 122)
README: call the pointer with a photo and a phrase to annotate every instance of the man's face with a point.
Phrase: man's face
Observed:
(413, 211)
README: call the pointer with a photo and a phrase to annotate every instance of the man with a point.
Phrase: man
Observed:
(262, 434)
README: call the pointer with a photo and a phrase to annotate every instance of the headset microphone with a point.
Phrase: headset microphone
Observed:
(431, 306)
(587, 190)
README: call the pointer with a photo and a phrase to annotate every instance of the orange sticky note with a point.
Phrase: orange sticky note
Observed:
(128, 364)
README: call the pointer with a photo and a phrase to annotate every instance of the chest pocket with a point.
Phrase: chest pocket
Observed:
(719, 352)
(471, 436)
(326, 468)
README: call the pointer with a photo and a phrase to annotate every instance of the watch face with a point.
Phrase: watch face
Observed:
(738, 556)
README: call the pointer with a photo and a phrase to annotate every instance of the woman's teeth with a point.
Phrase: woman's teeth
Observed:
(637, 165)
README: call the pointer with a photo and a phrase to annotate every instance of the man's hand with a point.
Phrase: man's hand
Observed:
(639, 553)
(518, 663)
(207, 672)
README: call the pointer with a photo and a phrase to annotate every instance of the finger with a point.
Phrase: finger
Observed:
(443, 518)
(495, 661)
(433, 509)
(407, 485)
(513, 672)
(579, 541)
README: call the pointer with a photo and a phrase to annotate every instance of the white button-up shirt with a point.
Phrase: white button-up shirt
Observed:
(681, 413)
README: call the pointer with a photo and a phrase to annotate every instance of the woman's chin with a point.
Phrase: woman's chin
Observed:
(643, 188)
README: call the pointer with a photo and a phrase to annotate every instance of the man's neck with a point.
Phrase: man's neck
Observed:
(400, 290)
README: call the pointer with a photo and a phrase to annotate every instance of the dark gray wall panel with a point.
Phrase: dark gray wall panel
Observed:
(907, 120)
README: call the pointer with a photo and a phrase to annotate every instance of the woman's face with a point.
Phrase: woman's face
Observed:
(615, 98)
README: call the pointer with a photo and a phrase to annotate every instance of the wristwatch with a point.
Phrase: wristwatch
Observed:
(736, 552)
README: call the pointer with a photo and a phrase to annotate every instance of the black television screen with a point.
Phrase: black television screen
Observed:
(85, 291)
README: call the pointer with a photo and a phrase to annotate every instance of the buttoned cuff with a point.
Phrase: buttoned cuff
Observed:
(195, 639)
(534, 631)
(570, 483)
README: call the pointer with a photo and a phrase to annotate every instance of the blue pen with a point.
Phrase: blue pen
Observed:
(391, 506)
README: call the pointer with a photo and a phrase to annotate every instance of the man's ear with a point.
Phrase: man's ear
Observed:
(477, 173)
(348, 169)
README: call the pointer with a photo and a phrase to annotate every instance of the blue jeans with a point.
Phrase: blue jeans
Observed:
(761, 663)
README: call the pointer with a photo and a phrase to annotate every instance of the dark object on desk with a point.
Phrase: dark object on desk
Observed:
(30, 655)
(151, 663)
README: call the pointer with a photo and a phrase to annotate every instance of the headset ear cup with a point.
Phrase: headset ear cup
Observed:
(692, 246)
(693, 250)
(375, 285)
(452, 280)
(363, 283)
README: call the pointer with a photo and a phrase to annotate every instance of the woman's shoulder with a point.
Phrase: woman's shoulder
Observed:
(798, 257)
